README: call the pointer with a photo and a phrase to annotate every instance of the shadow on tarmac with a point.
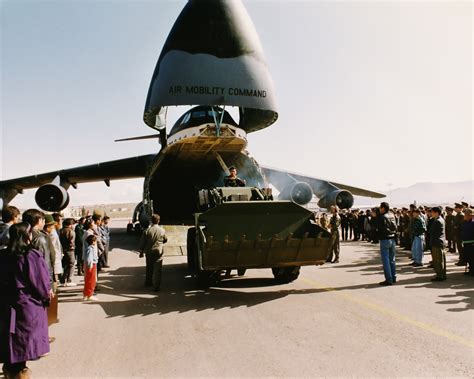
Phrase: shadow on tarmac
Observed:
(369, 264)
(121, 240)
(179, 293)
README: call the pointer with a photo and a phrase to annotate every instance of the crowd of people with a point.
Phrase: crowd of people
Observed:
(38, 254)
(417, 229)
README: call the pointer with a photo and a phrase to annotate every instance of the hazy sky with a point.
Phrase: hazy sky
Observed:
(370, 93)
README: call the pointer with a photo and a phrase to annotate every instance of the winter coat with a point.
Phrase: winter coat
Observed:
(25, 294)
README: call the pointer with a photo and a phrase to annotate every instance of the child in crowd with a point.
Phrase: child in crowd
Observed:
(90, 258)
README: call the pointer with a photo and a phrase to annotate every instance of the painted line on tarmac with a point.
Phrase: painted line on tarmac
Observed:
(398, 316)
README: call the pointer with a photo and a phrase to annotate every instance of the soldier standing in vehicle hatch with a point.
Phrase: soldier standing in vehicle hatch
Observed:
(334, 224)
(232, 180)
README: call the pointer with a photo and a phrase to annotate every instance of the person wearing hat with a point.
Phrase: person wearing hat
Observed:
(67, 237)
(437, 242)
(418, 232)
(49, 220)
(232, 180)
(449, 221)
(458, 221)
(468, 239)
(464, 205)
(50, 229)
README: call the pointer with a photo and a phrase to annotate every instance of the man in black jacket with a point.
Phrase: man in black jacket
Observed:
(437, 242)
(387, 229)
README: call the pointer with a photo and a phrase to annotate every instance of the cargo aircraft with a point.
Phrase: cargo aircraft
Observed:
(212, 59)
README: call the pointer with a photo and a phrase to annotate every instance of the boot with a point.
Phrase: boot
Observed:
(23, 374)
(6, 373)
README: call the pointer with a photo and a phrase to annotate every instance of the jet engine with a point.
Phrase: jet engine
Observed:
(298, 192)
(52, 197)
(343, 199)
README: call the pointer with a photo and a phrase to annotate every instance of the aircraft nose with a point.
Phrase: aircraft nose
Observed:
(213, 56)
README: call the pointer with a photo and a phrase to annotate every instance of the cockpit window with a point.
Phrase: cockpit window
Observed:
(199, 114)
(186, 118)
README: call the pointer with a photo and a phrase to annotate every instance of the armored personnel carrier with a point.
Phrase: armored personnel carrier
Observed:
(243, 227)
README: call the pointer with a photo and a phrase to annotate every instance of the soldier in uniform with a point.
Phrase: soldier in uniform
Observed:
(373, 225)
(468, 239)
(458, 220)
(360, 224)
(344, 224)
(437, 241)
(405, 226)
(334, 224)
(410, 226)
(429, 223)
(151, 246)
(353, 225)
(232, 180)
(396, 214)
(449, 221)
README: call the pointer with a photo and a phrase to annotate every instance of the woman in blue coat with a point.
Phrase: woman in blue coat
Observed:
(25, 293)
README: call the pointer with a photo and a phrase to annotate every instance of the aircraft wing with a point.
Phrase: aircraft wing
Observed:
(323, 189)
(127, 168)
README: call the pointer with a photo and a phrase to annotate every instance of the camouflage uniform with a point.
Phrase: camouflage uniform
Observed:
(334, 247)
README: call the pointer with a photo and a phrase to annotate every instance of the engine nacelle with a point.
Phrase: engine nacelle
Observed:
(343, 199)
(52, 197)
(299, 192)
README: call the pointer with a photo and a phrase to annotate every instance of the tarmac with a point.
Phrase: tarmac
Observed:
(334, 321)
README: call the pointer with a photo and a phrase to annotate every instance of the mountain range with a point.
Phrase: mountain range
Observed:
(426, 193)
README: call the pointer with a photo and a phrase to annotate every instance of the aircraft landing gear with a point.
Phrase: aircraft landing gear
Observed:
(286, 274)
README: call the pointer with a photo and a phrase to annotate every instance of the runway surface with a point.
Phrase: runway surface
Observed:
(335, 320)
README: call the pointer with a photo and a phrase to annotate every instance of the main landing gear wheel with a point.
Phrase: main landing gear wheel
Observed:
(286, 274)
(207, 279)
(241, 271)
